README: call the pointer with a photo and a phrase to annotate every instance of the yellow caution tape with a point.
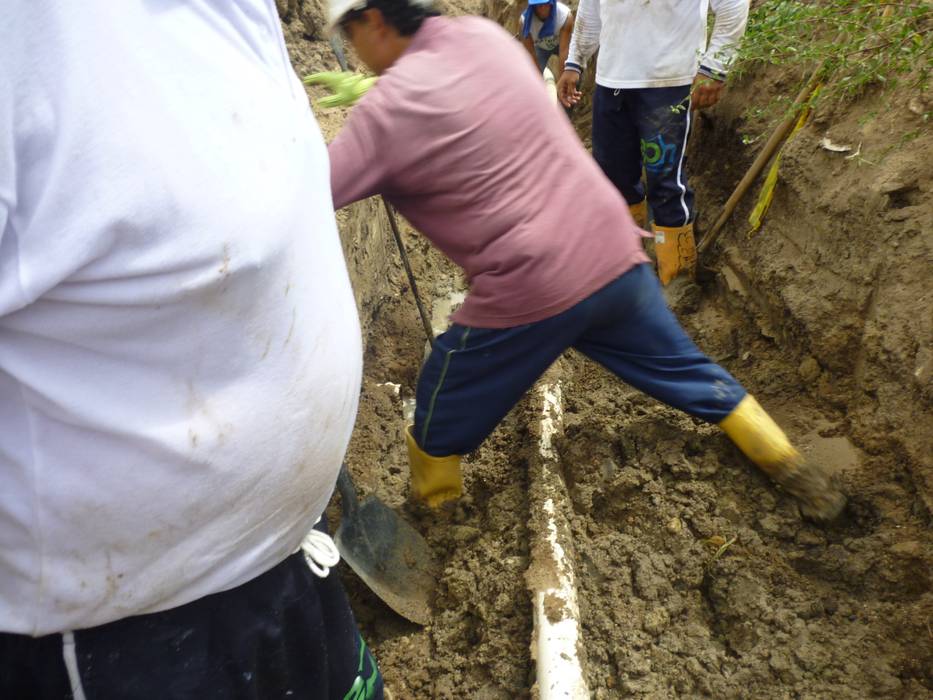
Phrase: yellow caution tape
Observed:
(767, 189)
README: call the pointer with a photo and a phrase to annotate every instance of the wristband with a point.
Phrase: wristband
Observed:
(711, 73)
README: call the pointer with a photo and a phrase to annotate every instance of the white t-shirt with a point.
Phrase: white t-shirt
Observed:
(661, 43)
(180, 354)
(549, 43)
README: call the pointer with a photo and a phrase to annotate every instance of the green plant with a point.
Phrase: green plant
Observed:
(859, 43)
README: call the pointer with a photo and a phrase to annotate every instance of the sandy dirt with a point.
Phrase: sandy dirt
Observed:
(697, 577)
(700, 579)
(477, 644)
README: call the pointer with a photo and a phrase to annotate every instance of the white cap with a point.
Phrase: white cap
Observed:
(336, 9)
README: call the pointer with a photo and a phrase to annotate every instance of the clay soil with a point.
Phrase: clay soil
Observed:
(697, 577)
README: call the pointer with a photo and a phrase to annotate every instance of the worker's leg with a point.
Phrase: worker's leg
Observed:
(471, 379)
(616, 147)
(663, 120)
(636, 336)
(664, 117)
(286, 633)
(544, 55)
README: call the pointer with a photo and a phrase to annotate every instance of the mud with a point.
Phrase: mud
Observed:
(699, 578)
(696, 577)
(477, 645)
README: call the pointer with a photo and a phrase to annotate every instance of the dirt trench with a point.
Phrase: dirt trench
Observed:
(697, 578)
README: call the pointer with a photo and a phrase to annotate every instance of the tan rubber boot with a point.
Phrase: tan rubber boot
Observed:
(640, 213)
(434, 480)
(764, 443)
(675, 250)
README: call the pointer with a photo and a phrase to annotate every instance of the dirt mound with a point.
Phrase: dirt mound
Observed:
(839, 275)
(699, 578)
(719, 587)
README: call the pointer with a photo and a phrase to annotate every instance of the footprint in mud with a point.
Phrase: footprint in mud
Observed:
(860, 518)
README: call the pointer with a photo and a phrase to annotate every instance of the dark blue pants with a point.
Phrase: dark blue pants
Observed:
(474, 376)
(646, 127)
(285, 634)
(544, 55)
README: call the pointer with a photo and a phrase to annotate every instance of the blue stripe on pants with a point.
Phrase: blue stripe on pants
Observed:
(474, 376)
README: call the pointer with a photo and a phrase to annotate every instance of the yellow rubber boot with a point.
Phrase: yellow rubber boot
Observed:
(675, 250)
(640, 213)
(434, 480)
(764, 443)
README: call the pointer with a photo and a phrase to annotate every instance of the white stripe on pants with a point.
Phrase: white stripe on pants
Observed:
(70, 655)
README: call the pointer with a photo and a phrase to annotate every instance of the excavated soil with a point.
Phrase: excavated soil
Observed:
(697, 578)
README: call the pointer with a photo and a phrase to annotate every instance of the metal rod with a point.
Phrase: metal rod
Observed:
(411, 276)
(336, 44)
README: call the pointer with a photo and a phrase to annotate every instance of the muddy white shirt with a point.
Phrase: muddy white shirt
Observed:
(179, 349)
(661, 43)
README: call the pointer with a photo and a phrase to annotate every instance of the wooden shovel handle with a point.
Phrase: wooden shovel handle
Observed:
(770, 148)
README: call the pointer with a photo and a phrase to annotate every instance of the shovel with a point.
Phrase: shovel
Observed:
(386, 552)
(336, 45)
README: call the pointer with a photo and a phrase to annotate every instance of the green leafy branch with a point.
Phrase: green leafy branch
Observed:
(859, 43)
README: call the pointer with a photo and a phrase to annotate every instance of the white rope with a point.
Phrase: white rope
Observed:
(320, 552)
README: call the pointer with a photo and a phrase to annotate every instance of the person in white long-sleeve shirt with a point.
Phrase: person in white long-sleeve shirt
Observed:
(180, 360)
(655, 65)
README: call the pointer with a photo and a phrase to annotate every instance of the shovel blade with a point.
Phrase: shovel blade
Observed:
(391, 558)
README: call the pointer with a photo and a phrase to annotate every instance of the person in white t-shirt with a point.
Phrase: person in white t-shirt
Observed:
(547, 26)
(655, 66)
(180, 360)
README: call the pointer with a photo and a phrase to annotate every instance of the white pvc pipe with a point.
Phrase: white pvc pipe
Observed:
(551, 84)
(551, 576)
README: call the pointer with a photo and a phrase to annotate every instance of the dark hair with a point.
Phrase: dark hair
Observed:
(405, 16)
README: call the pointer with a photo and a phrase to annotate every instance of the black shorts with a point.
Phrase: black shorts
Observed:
(285, 634)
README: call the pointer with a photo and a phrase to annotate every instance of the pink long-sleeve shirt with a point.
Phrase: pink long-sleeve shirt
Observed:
(462, 137)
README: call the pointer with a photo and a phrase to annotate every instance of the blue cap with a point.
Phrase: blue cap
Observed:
(538, 2)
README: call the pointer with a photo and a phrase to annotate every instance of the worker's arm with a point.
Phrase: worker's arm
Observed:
(565, 34)
(361, 155)
(529, 44)
(728, 28)
(585, 35)
(584, 40)
(731, 17)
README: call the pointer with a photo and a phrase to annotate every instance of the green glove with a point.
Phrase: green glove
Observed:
(347, 87)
